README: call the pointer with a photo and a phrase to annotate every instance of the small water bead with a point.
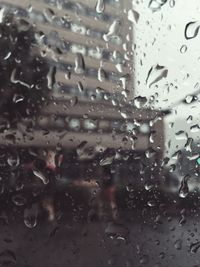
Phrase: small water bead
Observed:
(183, 49)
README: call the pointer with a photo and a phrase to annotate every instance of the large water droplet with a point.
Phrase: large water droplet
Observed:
(115, 230)
(181, 135)
(178, 244)
(194, 247)
(113, 30)
(148, 186)
(2, 14)
(155, 74)
(81, 149)
(139, 101)
(191, 29)
(18, 200)
(176, 155)
(194, 128)
(150, 153)
(18, 98)
(172, 3)
(73, 101)
(7, 56)
(184, 189)
(100, 6)
(133, 16)
(188, 145)
(68, 75)
(80, 86)
(51, 77)
(124, 114)
(155, 5)
(24, 25)
(30, 216)
(108, 157)
(13, 160)
(79, 64)
(101, 74)
(41, 176)
(14, 80)
(183, 49)
(49, 14)
(190, 98)
(151, 203)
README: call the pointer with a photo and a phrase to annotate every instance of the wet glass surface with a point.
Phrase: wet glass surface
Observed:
(99, 133)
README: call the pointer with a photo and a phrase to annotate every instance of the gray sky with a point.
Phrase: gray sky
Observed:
(159, 37)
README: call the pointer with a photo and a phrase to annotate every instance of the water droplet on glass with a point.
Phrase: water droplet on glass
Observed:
(41, 176)
(183, 49)
(73, 101)
(162, 255)
(24, 25)
(49, 14)
(108, 157)
(178, 244)
(18, 98)
(148, 186)
(119, 67)
(181, 135)
(184, 189)
(191, 29)
(172, 3)
(51, 77)
(194, 128)
(18, 200)
(194, 247)
(113, 30)
(188, 145)
(68, 75)
(7, 56)
(176, 155)
(190, 98)
(80, 86)
(2, 14)
(14, 80)
(139, 101)
(155, 5)
(155, 74)
(189, 119)
(100, 6)
(79, 64)
(101, 75)
(30, 8)
(133, 16)
(150, 153)
(115, 230)
(81, 149)
(151, 203)
(30, 216)
(13, 160)
(124, 114)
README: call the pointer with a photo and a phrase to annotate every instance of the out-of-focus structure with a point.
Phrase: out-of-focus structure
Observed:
(89, 47)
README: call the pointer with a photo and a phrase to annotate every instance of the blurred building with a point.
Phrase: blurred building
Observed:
(89, 47)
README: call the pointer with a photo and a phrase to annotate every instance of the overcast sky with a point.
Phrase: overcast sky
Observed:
(159, 37)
